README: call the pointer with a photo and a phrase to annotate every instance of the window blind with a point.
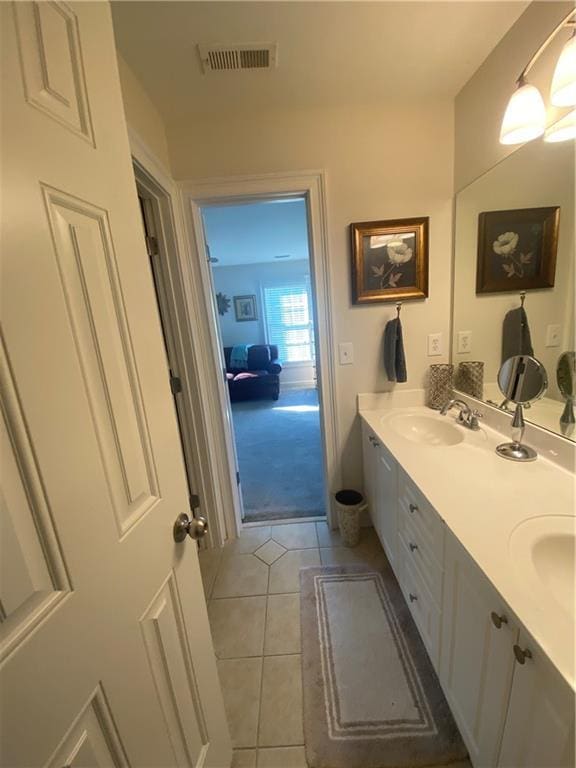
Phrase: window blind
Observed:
(289, 323)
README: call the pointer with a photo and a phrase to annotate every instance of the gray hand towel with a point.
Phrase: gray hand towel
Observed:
(394, 357)
(516, 334)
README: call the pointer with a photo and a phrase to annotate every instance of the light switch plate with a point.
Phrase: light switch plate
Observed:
(553, 336)
(464, 342)
(434, 344)
(346, 353)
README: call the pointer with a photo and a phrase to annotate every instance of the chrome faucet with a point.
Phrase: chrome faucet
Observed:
(467, 417)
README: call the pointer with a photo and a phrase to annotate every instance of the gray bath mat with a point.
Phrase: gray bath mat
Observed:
(371, 696)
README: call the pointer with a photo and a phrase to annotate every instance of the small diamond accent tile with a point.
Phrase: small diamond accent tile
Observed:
(270, 552)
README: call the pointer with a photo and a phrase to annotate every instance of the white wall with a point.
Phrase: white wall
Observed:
(247, 280)
(141, 114)
(381, 161)
(480, 105)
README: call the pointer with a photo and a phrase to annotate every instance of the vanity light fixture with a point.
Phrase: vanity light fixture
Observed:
(562, 129)
(525, 116)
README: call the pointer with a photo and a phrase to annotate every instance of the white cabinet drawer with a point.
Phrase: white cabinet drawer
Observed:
(421, 556)
(424, 610)
(426, 521)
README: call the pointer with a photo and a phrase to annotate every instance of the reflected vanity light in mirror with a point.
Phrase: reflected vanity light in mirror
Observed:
(563, 90)
(563, 129)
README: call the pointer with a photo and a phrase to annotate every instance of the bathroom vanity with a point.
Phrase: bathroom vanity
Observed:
(483, 550)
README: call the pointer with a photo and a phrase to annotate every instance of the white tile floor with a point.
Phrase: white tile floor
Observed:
(252, 587)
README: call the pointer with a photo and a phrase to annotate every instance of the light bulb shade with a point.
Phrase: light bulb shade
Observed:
(525, 116)
(563, 129)
(563, 89)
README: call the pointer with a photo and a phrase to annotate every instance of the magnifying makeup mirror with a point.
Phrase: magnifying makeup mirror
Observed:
(566, 378)
(522, 380)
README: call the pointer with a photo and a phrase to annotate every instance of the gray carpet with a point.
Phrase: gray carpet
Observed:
(371, 696)
(280, 456)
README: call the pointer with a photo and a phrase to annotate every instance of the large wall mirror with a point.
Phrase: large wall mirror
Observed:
(514, 278)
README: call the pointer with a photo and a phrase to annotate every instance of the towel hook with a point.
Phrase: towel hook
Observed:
(398, 308)
(522, 298)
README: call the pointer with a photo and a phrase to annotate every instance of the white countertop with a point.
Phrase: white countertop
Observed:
(482, 498)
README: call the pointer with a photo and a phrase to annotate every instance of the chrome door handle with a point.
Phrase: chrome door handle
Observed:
(194, 527)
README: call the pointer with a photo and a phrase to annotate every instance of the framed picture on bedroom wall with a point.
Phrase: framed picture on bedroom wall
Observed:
(389, 260)
(245, 308)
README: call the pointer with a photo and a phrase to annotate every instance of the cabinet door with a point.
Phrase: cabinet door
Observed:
(368, 462)
(386, 490)
(539, 731)
(476, 658)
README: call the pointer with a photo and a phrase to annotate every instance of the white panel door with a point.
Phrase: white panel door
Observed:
(105, 649)
(476, 658)
(539, 731)
(386, 485)
(369, 470)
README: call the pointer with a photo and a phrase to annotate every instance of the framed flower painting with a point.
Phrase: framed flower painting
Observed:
(389, 260)
(517, 249)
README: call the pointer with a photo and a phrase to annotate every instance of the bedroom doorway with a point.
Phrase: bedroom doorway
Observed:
(259, 257)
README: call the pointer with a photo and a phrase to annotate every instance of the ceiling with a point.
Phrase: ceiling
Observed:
(329, 53)
(253, 233)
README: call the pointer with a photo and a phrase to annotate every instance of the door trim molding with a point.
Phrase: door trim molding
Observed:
(312, 186)
(202, 442)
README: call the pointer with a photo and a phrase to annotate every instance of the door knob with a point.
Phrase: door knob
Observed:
(194, 527)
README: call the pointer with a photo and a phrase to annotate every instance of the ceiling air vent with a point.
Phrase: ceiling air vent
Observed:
(229, 58)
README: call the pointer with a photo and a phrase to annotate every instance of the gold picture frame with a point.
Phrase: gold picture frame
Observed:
(389, 260)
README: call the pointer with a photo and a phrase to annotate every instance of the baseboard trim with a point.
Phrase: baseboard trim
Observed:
(261, 523)
(298, 385)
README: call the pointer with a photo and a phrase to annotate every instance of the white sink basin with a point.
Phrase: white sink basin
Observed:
(542, 550)
(426, 430)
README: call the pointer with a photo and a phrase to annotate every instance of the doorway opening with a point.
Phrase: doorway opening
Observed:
(259, 258)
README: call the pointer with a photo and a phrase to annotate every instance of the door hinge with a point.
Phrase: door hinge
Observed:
(152, 246)
(194, 501)
(237, 477)
(175, 384)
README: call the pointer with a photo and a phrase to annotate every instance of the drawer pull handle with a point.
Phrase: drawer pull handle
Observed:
(498, 620)
(375, 443)
(522, 655)
(415, 597)
(413, 508)
(413, 546)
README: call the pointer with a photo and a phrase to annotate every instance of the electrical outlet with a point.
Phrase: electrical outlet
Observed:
(434, 344)
(552, 336)
(346, 353)
(464, 342)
